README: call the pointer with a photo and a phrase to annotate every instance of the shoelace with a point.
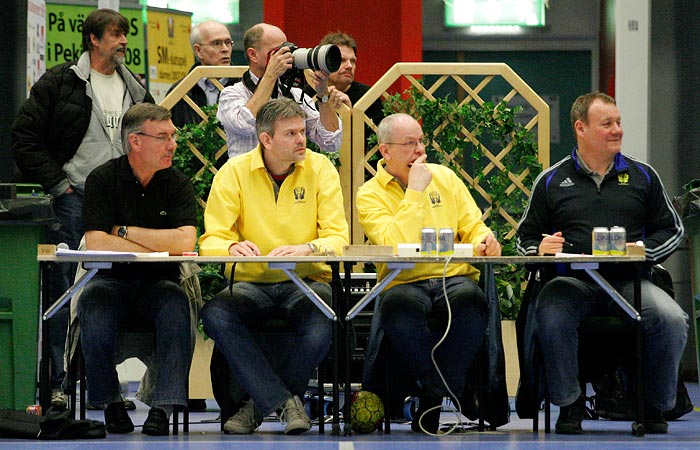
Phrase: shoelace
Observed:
(293, 411)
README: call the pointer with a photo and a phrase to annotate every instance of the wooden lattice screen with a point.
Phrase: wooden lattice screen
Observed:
(214, 73)
(470, 82)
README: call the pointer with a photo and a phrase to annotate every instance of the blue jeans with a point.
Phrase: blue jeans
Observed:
(107, 303)
(564, 302)
(405, 309)
(270, 383)
(69, 211)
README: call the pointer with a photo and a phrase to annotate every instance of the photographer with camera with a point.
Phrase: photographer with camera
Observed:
(273, 66)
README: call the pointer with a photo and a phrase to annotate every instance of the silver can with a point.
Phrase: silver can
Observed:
(446, 241)
(428, 241)
(600, 241)
(618, 241)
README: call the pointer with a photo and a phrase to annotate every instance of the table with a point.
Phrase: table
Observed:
(339, 312)
(93, 262)
(587, 263)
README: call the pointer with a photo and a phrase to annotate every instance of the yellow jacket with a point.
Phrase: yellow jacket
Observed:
(242, 206)
(391, 216)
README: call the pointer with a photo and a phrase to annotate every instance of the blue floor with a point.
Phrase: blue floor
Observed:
(204, 434)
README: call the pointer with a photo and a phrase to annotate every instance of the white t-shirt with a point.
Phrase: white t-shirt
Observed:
(108, 91)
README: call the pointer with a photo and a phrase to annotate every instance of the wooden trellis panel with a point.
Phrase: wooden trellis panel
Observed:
(214, 73)
(485, 74)
(354, 160)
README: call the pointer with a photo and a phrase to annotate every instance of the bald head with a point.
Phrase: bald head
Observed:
(259, 41)
(211, 43)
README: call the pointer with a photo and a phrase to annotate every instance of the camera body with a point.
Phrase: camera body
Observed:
(322, 57)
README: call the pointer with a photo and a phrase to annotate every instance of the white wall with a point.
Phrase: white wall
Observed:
(632, 53)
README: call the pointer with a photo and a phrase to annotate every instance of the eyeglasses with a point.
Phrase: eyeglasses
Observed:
(164, 138)
(219, 43)
(413, 144)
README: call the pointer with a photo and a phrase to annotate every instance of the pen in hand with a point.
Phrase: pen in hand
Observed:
(569, 244)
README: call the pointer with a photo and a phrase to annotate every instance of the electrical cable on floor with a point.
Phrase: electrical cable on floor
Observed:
(457, 411)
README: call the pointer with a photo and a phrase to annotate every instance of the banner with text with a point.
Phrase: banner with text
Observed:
(64, 35)
(169, 53)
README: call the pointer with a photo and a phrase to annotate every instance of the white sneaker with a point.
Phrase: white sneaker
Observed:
(244, 421)
(59, 399)
(294, 415)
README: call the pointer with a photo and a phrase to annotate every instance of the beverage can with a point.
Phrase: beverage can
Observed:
(618, 241)
(446, 241)
(600, 241)
(34, 410)
(428, 241)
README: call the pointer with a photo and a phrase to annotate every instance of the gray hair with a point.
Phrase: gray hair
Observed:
(386, 126)
(196, 31)
(275, 110)
(136, 116)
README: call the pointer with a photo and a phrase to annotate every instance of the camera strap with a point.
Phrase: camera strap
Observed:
(279, 87)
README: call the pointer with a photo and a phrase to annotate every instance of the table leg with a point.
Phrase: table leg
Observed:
(44, 301)
(347, 430)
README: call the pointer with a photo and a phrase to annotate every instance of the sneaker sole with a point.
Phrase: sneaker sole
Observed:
(237, 430)
(296, 430)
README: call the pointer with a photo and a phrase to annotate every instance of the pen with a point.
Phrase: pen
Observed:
(565, 242)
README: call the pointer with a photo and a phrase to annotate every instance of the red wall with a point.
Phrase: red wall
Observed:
(607, 47)
(386, 31)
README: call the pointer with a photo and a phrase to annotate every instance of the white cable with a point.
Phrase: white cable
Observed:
(458, 410)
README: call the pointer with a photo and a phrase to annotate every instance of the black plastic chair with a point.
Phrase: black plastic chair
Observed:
(478, 371)
(76, 372)
(615, 335)
(230, 395)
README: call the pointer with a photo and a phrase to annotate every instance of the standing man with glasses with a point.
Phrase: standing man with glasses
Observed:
(212, 46)
(139, 203)
(67, 127)
(406, 195)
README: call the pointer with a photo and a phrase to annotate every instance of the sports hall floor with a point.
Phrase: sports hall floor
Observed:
(204, 434)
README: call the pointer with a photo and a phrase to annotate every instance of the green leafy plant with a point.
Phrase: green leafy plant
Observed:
(468, 138)
(196, 156)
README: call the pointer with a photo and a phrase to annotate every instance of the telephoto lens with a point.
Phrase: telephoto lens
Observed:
(322, 57)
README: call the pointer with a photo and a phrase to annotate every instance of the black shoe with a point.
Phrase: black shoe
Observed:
(117, 419)
(570, 417)
(429, 422)
(129, 405)
(157, 423)
(654, 421)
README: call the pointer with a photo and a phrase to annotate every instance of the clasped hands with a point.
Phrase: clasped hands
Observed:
(247, 248)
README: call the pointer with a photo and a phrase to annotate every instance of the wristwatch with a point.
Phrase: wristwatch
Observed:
(122, 232)
(323, 99)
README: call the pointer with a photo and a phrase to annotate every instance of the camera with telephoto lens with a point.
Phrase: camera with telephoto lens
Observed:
(322, 57)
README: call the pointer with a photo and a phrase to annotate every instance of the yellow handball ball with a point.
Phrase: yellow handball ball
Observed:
(366, 412)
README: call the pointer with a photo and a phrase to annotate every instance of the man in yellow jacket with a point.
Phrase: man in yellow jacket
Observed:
(279, 199)
(406, 195)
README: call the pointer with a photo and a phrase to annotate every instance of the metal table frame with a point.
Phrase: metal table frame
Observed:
(339, 312)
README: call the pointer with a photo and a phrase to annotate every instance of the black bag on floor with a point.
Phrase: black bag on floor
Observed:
(54, 425)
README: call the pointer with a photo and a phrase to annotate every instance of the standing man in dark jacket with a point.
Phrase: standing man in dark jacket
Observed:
(68, 126)
(212, 46)
(343, 79)
(598, 185)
